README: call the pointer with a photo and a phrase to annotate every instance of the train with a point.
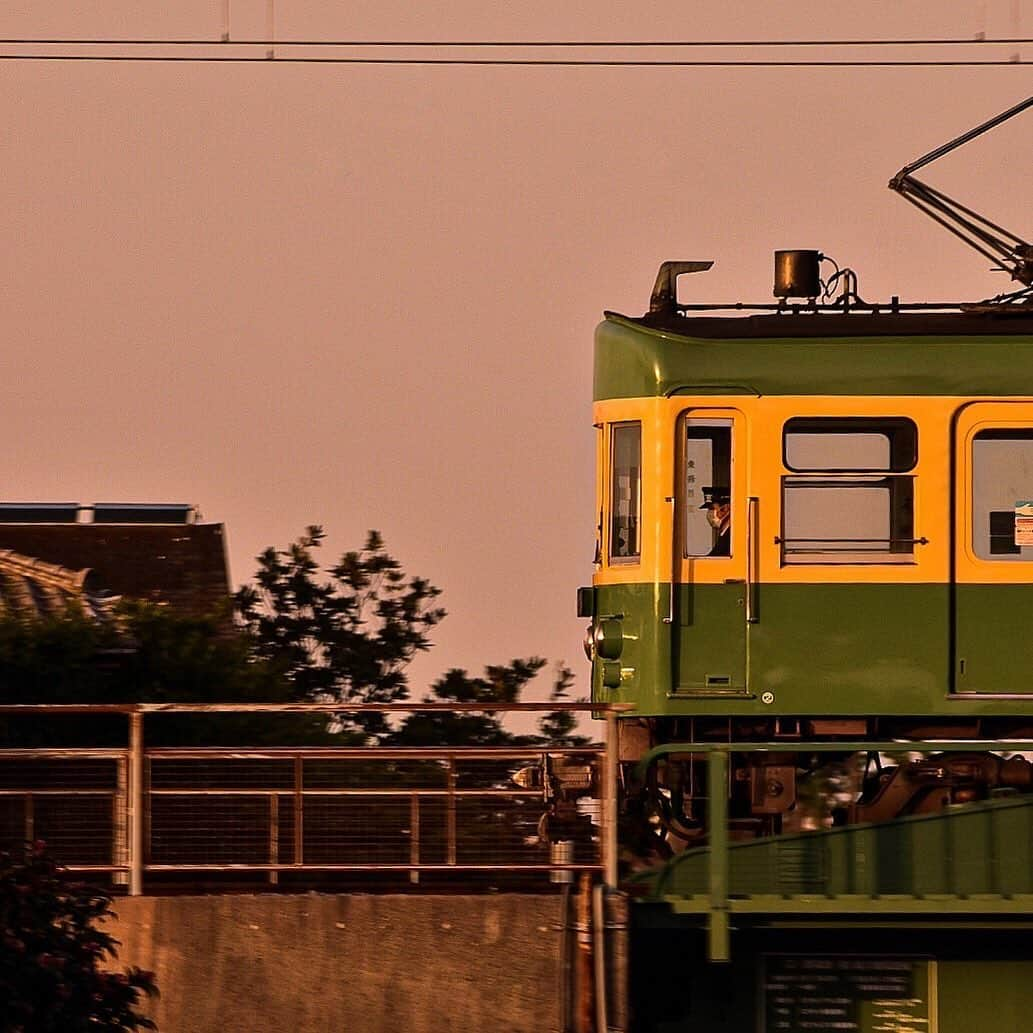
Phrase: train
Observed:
(810, 609)
(814, 524)
(813, 521)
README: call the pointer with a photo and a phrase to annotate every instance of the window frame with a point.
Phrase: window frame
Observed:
(611, 474)
(894, 472)
(999, 433)
(967, 418)
(703, 419)
(861, 425)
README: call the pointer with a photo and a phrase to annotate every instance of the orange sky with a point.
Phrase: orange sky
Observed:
(365, 296)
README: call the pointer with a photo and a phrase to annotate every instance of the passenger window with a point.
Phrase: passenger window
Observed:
(852, 500)
(625, 491)
(1002, 495)
(707, 487)
(861, 445)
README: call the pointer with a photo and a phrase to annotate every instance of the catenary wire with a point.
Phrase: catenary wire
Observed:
(474, 44)
(512, 62)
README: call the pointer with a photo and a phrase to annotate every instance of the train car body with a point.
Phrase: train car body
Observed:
(881, 583)
(814, 524)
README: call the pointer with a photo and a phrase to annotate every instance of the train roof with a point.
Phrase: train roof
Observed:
(803, 323)
(965, 353)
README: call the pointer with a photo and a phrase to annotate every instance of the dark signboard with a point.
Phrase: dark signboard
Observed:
(846, 994)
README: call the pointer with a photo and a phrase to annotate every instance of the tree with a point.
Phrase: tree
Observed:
(54, 660)
(53, 957)
(147, 654)
(341, 635)
(557, 727)
(502, 684)
(344, 636)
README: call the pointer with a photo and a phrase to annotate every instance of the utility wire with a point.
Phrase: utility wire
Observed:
(209, 46)
(617, 44)
(499, 62)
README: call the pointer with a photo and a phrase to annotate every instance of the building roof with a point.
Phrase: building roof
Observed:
(181, 565)
(31, 587)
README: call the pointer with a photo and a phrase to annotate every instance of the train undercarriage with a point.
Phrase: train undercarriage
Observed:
(787, 787)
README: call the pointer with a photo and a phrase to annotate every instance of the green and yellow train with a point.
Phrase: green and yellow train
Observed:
(815, 522)
(813, 596)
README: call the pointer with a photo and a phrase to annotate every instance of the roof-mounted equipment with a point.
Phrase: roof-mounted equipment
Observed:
(797, 274)
(665, 291)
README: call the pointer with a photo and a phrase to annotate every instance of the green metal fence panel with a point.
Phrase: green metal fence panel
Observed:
(978, 850)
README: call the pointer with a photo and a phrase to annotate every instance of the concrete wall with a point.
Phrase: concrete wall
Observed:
(362, 964)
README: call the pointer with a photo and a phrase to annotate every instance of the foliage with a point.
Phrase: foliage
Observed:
(177, 658)
(345, 635)
(557, 727)
(53, 974)
(149, 654)
(54, 660)
(502, 684)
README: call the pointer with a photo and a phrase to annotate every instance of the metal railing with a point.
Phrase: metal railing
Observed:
(147, 813)
(717, 890)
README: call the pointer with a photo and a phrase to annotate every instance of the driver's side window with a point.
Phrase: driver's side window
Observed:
(707, 487)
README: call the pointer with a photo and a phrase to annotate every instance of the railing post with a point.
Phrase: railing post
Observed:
(299, 811)
(120, 823)
(600, 975)
(274, 837)
(414, 838)
(450, 817)
(609, 815)
(136, 803)
(718, 946)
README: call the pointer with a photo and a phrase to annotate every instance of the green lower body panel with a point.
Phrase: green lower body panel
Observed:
(822, 650)
(708, 643)
(993, 646)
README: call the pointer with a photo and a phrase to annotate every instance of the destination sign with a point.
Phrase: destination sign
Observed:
(845, 994)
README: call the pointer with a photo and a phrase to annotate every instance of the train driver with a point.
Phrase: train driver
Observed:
(718, 504)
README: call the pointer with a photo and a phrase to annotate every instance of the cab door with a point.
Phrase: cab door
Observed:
(993, 549)
(709, 600)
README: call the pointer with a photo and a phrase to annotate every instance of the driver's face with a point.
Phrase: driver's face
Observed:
(717, 515)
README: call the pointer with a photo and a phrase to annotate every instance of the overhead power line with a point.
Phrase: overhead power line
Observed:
(522, 44)
(500, 62)
(214, 52)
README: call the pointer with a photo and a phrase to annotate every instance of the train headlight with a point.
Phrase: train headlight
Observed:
(609, 639)
(589, 643)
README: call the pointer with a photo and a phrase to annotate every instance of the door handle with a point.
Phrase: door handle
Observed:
(752, 506)
(669, 619)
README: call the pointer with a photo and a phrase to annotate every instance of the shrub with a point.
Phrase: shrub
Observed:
(53, 958)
